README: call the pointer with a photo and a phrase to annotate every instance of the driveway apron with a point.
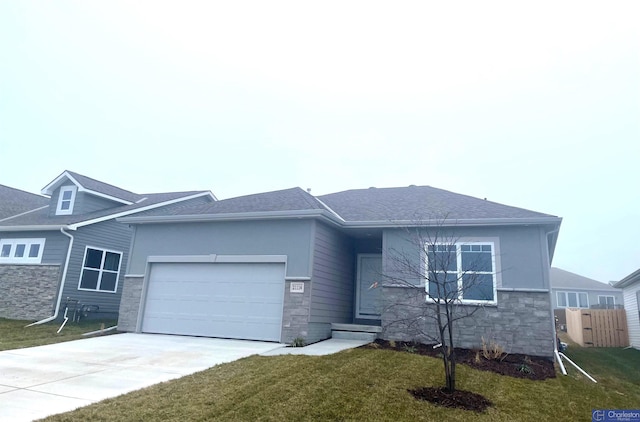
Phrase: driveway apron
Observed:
(45, 380)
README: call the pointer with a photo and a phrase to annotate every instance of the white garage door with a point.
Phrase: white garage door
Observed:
(234, 300)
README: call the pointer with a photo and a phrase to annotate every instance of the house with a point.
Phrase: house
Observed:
(69, 245)
(279, 265)
(570, 290)
(630, 286)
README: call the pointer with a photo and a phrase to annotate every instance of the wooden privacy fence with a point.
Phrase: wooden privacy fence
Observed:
(598, 327)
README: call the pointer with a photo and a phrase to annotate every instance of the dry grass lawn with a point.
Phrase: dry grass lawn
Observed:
(359, 384)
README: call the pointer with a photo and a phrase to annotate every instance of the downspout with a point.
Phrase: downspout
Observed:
(62, 280)
(553, 317)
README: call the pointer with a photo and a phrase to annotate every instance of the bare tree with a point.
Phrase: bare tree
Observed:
(458, 278)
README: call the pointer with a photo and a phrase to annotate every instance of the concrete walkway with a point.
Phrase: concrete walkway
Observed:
(40, 381)
(326, 347)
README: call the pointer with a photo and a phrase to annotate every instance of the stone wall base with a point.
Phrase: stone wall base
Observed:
(28, 292)
(522, 322)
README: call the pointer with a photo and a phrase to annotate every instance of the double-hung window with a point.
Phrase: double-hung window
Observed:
(21, 251)
(572, 300)
(100, 270)
(66, 199)
(464, 272)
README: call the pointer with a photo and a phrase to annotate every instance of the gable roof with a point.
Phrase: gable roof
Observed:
(388, 207)
(92, 186)
(417, 203)
(562, 279)
(15, 201)
(42, 220)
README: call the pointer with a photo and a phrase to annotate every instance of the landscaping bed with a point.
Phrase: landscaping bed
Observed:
(512, 365)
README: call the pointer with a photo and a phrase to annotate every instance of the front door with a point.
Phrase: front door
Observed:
(369, 282)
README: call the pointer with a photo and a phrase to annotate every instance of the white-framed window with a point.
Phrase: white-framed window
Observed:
(572, 300)
(100, 270)
(463, 271)
(21, 251)
(607, 301)
(66, 200)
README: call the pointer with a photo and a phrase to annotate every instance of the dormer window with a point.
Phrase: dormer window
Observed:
(66, 200)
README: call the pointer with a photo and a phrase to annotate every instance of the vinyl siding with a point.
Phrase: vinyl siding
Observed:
(282, 237)
(86, 203)
(55, 244)
(107, 235)
(633, 318)
(333, 277)
(520, 262)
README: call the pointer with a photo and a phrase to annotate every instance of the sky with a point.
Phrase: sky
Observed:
(529, 104)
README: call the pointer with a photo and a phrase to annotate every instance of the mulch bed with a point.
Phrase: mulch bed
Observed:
(459, 399)
(512, 365)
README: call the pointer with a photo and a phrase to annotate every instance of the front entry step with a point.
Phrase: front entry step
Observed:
(355, 331)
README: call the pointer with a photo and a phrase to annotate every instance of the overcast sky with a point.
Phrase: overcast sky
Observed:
(535, 105)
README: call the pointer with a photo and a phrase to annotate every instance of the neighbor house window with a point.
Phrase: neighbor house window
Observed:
(100, 270)
(66, 200)
(462, 271)
(572, 300)
(21, 251)
(607, 301)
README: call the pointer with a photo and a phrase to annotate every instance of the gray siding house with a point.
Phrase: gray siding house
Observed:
(69, 245)
(630, 286)
(279, 265)
(570, 290)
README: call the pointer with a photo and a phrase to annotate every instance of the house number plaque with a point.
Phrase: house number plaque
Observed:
(296, 287)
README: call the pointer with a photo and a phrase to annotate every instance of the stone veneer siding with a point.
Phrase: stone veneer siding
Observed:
(295, 319)
(28, 292)
(295, 315)
(130, 303)
(521, 322)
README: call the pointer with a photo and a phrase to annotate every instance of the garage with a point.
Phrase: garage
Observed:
(228, 300)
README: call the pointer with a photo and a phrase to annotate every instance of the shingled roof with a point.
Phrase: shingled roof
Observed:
(93, 185)
(415, 203)
(15, 201)
(376, 207)
(562, 279)
(42, 217)
(294, 199)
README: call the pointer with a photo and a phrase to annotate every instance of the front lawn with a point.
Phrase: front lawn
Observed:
(15, 335)
(358, 384)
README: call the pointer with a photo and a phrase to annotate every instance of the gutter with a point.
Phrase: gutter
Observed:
(628, 280)
(62, 281)
(339, 221)
(31, 228)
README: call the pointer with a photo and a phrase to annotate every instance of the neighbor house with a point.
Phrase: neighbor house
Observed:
(630, 286)
(69, 245)
(570, 290)
(279, 265)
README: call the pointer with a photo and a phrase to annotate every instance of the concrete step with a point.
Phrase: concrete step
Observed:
(353, 335)
(357, 328)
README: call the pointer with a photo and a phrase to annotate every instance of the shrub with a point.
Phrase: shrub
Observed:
(493, 350)
(298, 342)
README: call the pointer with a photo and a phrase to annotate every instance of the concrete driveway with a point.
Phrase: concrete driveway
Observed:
(45, 380)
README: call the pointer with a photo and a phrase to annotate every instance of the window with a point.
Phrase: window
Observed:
(607, 302)
(100, 270)
(462, 271)
(21, 251)
(66, 200)
(572, 300)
